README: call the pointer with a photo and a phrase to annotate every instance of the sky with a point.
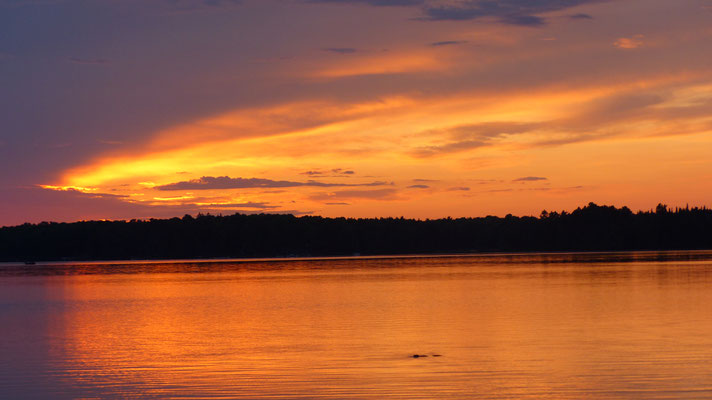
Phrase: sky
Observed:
(121, 109)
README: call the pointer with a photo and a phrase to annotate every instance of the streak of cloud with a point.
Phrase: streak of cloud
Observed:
(90, 61)
(379, 194)
(340, 50)
(530, 179)
(225, 182)
(448, 43)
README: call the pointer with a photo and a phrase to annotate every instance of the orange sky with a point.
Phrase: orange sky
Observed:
(361, 109)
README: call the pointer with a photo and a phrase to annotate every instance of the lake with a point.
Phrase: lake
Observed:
(527, 326)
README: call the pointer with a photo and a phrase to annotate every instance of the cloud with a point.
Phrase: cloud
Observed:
(335, 172)
(341, 203)
(250, 204)
(458, 188)
(379, 194)
(620, 106)
(530, 179)
(512, 12)
(36, 204)
(340, 50)
(448, 43)
(418, 187)
(377, 3)
(580, 16)
(629, 43)
(197, 5)
(225, 182)
(523, 20)
(91, 61)
(468, 137)
(590, 120)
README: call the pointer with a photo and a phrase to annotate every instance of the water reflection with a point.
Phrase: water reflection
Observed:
(623, 325)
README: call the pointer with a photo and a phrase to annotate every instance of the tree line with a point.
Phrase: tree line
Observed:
(589, 228)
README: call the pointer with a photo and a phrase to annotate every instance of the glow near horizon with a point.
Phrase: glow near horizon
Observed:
(590, 110)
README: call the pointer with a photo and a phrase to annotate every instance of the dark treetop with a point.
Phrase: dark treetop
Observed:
(590, 228)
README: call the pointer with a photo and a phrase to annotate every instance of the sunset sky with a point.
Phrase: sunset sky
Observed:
(124, 109)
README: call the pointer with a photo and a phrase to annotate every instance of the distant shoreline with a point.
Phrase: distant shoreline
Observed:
(268, 237)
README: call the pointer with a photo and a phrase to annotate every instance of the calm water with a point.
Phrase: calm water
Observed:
(572, 326)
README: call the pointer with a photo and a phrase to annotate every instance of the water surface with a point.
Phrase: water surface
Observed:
(536, 326)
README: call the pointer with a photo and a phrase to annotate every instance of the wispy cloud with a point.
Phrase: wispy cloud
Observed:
(448, 43)
(91, 61)
(379, 194)
(340, 50)
(530, 179)
(467, 137)
(512, 12)
(225, 182)
(331, 172)
(199, 5)
(377, 3)
(630, 43)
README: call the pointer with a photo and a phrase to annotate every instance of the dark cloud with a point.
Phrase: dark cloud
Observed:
(530, 179)
(340, 50)
(197, 5)
(338, 204)
(458, 188)
(513, 12)
(418, 187)
(448, 43)
(332, 172)
(580, 16)
(425, 180)
(225, 182)
(378, 3)
(523, 20)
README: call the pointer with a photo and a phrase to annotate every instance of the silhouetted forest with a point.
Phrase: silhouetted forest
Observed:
(591, 228)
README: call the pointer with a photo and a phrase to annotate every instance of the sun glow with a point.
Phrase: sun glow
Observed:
(402, 137)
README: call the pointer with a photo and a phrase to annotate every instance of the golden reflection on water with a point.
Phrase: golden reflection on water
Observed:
(540, 327)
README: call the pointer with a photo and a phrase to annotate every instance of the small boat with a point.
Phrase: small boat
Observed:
(30, 263)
